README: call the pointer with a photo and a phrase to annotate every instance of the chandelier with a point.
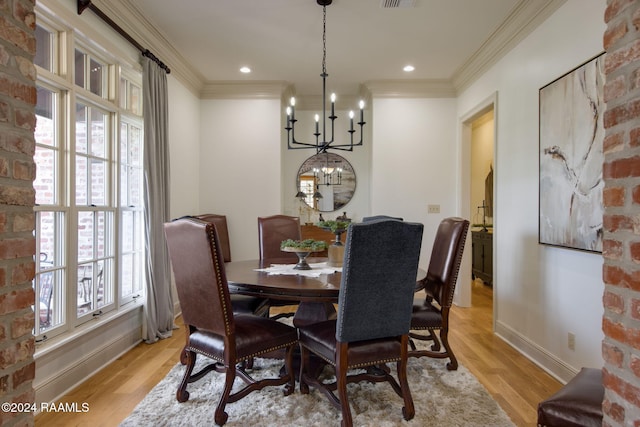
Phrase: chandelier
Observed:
(323, 142)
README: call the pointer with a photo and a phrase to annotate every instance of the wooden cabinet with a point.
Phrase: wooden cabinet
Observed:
(482, 254)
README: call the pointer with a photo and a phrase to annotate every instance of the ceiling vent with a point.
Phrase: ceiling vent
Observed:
(397, 4)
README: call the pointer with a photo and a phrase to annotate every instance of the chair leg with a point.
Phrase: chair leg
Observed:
(453, 362)
(220, 415)
(408, 410)
(290, 387)
(341, 380)
(182, 395)
(304, 362)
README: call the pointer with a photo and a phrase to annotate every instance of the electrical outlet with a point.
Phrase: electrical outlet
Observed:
(571, 341)
(433, 209)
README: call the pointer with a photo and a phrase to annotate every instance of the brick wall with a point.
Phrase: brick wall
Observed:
(621, 273)
(17, 171)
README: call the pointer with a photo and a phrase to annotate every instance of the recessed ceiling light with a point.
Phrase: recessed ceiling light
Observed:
(245, 70)
(409, 68)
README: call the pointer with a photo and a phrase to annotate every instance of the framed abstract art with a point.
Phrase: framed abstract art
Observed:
(571, 134)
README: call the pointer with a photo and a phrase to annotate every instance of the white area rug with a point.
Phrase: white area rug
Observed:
(441, 398)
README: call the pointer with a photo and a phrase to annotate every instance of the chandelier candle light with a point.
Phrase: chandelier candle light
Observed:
(323, 144)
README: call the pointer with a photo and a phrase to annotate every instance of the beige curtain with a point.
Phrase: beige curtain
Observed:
(159, 320)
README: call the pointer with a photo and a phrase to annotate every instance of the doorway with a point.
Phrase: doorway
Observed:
(478, 178)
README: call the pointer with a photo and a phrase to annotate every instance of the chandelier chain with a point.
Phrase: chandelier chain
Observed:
(324, 39)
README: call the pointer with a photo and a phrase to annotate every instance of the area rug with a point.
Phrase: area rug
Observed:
(441, 397)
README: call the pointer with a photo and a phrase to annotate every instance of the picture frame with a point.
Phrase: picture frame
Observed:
(571, 135)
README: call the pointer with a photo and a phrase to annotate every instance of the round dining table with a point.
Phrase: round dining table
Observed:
(315, 295)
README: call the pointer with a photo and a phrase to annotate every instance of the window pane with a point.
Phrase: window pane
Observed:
(135, 101)
(48, 285)
(44, 43)
(131, 259)
(45, 158)
(85, 288)
(123, 93)
(50, 276)
(98, 133)
(97, 73)
(82, 190)
(135, 146)
(81, 128)
(101, 249)
(98, 182)
(79, 67)
(85, 237)
(104, 287)
(47, 233)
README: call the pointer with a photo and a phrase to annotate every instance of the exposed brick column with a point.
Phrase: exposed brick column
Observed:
(17, 198)
(621, 321)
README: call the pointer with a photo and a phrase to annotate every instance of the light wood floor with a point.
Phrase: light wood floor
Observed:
(513, 380)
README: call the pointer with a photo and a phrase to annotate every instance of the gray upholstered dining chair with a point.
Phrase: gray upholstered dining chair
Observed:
(214, 331)
(374, 313)
(378, 217)
(439, 286)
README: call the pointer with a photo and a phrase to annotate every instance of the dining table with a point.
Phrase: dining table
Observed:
(315, 291)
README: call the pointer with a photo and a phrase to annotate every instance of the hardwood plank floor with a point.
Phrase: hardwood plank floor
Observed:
(512, 379)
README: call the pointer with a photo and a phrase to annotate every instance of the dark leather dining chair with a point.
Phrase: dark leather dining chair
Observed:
(213, 330)
(374, 314)
(272, 230)
(244, 304)
(439, 286)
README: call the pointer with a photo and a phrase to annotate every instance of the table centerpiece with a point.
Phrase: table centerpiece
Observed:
(302, 248)
(336, 249)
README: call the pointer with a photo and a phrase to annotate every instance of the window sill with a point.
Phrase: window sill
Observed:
(61, 340)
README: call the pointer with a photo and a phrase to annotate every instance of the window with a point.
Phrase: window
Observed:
(88, 184)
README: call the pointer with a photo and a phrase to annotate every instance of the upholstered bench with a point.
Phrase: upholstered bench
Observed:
(578, 403)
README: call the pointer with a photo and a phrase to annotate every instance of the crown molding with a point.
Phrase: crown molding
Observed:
(129, 18)
(231, 89)
(525, 17)
(429, 88)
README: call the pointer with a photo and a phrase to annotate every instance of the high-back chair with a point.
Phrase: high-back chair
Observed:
(374, 313)
(213, 330)
(378, 217)
(440, 285)
(244, 304)
(272, 230)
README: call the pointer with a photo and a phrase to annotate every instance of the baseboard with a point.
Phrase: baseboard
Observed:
(61, 369)
(538, 355)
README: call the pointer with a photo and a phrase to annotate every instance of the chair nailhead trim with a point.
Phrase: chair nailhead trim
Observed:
(360, 365)
(211, 356)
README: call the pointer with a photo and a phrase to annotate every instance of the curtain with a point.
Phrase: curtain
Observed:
(158, 318)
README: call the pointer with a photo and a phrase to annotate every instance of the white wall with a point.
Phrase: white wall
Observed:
(542, 293)
(240, 166)
(184, 150)
(414, 162)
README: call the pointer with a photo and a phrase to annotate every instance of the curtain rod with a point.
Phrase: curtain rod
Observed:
(84, 4)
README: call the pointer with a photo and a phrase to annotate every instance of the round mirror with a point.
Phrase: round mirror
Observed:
(326, 182)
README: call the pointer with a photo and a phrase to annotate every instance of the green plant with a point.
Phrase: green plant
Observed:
(312, 245)
(334, 226)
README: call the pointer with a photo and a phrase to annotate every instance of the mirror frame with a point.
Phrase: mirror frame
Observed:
(342, 193)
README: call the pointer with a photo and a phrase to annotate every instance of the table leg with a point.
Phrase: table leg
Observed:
(313, 312)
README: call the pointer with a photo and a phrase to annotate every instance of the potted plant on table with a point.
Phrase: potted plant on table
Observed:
(302, 248)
